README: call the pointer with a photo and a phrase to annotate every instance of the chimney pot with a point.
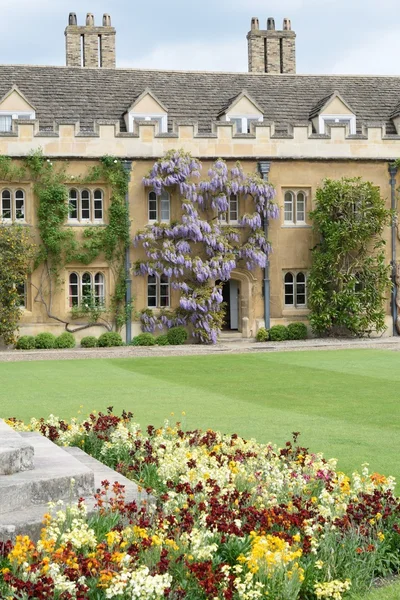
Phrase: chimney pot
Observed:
(89, 20)
(72, 19)
(287, 25)
(106, 20)
(255, 24)
(271, 24)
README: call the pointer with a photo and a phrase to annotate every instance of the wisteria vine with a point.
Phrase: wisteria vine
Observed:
(201, 249)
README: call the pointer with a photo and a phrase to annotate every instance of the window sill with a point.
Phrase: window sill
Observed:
(295, 312)
(296, 226)
(88, 224)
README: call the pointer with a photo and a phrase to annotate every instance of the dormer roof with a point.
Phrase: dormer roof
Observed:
(21, 101)
(232, 102)
(324, 103)
(147, 93)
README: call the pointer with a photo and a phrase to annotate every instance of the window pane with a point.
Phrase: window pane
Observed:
(73, 205)
(99, 288)
(85, 205)
(86, 287)
(151, 290)
(301, 289)
(289, 289)
(164, 291)
(152, 206)
(301, 208)
(5, 123)
(238, 123)
(73, 290)
(164, 206)
(249, 123)
(233, 207)
(98, 205)
(21, 290)
(6, 204)
(19, 205)
(288, 209)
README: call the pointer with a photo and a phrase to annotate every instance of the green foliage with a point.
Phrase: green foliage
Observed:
(278, 333)
(177, 336)
(45, 341)
(162, 340)
(144, 339)
(109, 339)
(65, 340)
(89, 342)
(26, 342)
(262, 335)
(297, 331)
(16, 255)
(349, 279)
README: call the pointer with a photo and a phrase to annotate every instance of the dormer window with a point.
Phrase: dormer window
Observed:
(7, 118)
(243, 111)
(14, 106)
(243, 123)
(333, 110)
(147, 107)
(349, 122)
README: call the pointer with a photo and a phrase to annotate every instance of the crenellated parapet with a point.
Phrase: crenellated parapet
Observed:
(68, 139)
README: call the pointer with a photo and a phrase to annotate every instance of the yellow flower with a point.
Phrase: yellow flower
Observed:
(381, 536)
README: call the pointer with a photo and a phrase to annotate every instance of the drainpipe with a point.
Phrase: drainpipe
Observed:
(264, 168)
(127, 166)
(392, 181)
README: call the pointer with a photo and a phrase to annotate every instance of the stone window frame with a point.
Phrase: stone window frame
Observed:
(294, 221)
(92, 220)
(349, 119)
(27, 115)
(158, 288)
(80, 285)
(294, 273)
(152, 198)
(229, 221)
(13, 191)
(161, 118)
(246, 121)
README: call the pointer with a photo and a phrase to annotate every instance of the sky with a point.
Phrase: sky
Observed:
(333, 36)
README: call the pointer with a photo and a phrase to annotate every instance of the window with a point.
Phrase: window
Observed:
(159, 207)
(6, 119)
(233, 211)
(158, 291)
(86, 288)
(295, 207)
(85, 206)
(243, 123)
(161, 119)
(12, 205)
(295, 289)
(22, 294)
(349, 120)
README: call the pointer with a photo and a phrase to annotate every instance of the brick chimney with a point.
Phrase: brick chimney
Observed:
(88, 45)
(270, 50)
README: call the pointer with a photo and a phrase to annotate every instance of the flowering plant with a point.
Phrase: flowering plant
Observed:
(202, 248)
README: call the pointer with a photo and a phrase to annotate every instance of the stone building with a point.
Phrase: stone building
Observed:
(295, 129)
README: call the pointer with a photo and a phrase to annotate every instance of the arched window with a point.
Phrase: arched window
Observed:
(295, 289)
(19, 205)
(22, 293)
(85, 206)
(73, 290)
(99, 291)
(295, 207)
(6, 211)
(86, 287)
(158, 291)
(73, 204)
(98, 205)
(159, 208)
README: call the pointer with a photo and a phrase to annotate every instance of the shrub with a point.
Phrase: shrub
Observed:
(144, 339)
(26, 342)
(297, 331)
(89, 342)
(278, 333)
(262, 335)
(177, 336)
(162, 340)
(109, 339)
(65, 340)
(45, 341)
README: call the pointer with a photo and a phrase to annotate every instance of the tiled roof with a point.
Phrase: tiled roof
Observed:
(61, 93)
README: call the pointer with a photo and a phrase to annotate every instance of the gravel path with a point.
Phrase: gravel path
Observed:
(224, 347)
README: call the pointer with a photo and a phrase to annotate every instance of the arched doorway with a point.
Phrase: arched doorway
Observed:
(231, 296)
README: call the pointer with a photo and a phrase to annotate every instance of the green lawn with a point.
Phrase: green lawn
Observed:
(345, 403)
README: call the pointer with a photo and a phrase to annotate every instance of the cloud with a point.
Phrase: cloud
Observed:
(195, 56)
(378, 54)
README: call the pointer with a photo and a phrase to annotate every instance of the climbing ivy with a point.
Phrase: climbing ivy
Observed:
(349, 279)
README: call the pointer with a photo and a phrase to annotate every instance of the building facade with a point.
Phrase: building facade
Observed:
(300, 129)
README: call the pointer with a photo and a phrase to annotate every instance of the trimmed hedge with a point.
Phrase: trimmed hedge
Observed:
(278, 333)
(89, 342)
(109, 339)
(262, 335)
(45, 341)
(297, 331)
(162, 340)
(177, 336)
(26, 342)
(144, 339)
(65, 340)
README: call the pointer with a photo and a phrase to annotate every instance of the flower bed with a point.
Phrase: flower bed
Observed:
(234, 519)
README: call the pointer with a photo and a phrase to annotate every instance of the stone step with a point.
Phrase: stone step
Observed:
(49, 481)
(15, 454)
